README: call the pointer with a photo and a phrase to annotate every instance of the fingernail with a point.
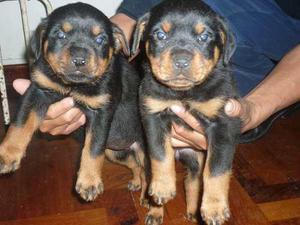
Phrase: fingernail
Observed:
(229, 107)
(68, 101)
(177, 109)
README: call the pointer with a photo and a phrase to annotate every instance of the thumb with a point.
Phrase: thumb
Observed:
(233, 108)
(21, 85)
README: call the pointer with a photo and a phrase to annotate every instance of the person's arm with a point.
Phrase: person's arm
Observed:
(279, 90)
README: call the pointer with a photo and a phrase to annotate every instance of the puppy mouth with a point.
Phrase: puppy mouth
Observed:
(77, 77)
(180, 82)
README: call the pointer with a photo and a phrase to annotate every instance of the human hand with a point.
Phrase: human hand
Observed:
(61, 118)
(125, 23)
(195, 138)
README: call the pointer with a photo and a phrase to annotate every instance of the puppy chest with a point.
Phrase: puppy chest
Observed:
(209, 108)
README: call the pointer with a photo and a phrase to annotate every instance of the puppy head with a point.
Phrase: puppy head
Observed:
(184, 41)
(78, 42)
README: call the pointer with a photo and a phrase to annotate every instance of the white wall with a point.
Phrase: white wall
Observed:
(11, 32)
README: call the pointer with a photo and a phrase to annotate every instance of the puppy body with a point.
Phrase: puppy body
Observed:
(188, 48)
(77, 54)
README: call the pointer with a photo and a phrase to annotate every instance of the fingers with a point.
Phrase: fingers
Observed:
(243, 109)
(68, 128)
(186, 138)
(233, 108)
(59, 108)
(62, 118)
(187, 117)
(21, 85)
(65, 119)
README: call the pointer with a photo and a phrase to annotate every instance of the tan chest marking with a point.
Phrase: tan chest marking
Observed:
(209, 108)
(157, 105)
(94, 102)
(45, 82)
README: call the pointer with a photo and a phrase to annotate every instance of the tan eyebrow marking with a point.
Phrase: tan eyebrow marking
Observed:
(166, 26)
(96, 30)
(67, 27)
(199, 28)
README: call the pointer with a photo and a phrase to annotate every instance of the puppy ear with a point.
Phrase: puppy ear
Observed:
(120, 40)
(36, 40)
(138, 34)
(228, 41)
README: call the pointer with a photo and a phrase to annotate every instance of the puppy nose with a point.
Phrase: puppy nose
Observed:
(182, 63)
(182, 59)
(79, 61)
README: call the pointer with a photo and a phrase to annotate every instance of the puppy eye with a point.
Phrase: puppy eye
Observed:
(161, 35)
(204, 37)
(61, 35)
(100, 39)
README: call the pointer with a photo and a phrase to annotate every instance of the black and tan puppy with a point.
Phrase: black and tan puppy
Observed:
(188, 47)
(78, 54)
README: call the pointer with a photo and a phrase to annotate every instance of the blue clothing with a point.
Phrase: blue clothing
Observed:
(263, 33)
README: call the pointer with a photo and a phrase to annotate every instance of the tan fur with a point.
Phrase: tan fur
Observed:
(54, 62)
(102, 64)
(90, 172)
(45, 82)
(163, 182)
(193, 187)
(96, 30)
(67, 27)
(156, 105)
(166, 26)
(209, 108)
(95, 102)
(201, 67)
(45, 47)
(216, 54)
(14, 145)
(199, 28)
(215, 195)
(223, 37)
(131, 163)
(161, 66)
(156, 212)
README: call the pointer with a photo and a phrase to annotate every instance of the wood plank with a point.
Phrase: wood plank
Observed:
(275, 192)
(281, 210)
(263, 163)
(295, 221)
(243, 209)
(85, 217)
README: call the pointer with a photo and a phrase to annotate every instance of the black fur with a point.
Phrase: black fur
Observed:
(77, 52)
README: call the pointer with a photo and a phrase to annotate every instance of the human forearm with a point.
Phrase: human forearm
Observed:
(280, 89)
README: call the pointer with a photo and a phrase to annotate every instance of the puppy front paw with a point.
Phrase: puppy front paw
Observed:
(191, 217)
(134, 185)
(162, 192)
(9, 160)
(89, 187)
(154, 216)
(215, 213)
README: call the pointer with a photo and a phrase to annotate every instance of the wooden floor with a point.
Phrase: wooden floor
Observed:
(265, 188)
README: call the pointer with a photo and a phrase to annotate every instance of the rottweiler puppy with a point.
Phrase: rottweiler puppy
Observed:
(188, 47)
(77, 53)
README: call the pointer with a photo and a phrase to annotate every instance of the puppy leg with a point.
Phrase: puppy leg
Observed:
(89, 181)
(28, 118)
(193, 161)
(216, 175)
(129, 160)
